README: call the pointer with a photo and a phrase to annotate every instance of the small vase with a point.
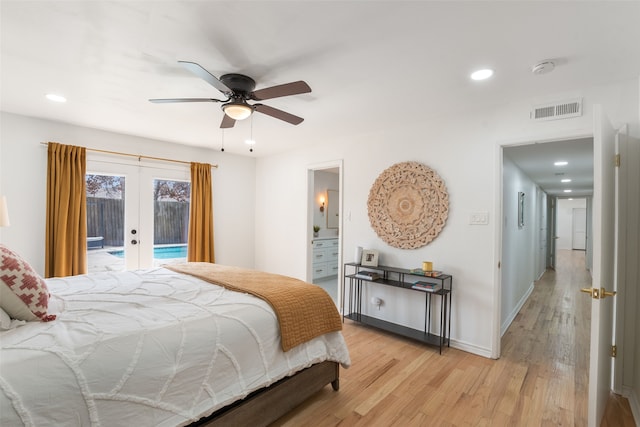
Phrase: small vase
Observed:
(315, 234)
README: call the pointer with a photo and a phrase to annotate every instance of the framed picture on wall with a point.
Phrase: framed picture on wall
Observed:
(520, 209)
(369, 258)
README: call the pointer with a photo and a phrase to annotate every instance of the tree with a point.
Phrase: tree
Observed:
(179, 191)
(105, 186)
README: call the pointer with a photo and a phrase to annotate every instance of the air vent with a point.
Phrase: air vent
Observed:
(558, 110)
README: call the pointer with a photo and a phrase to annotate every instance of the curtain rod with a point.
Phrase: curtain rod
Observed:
(139, 156)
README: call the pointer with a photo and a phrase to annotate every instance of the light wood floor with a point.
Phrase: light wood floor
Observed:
(541, 378)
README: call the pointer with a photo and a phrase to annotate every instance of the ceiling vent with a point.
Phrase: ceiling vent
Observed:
(558, 110)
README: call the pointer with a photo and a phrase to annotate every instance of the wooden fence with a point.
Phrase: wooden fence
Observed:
(105, 217)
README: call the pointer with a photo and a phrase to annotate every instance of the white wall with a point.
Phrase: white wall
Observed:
(23, 167)
(564, 216)
(520, 246)
(464, 151)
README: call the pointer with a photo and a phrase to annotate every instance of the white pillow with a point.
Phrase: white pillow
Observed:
(7, 322)
(23, 293)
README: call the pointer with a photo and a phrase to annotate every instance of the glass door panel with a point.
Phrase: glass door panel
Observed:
(112, 216)
(170, 220)
(164, 205)
(105, 222)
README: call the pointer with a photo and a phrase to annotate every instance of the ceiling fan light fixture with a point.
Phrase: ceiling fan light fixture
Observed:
(237, 110)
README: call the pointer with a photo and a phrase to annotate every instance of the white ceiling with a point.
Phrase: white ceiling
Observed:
(360, 58)
(537, 162)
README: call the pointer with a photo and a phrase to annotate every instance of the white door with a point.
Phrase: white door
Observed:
(627, 244)
(164, 215)
(542, 219)
(603, 266)
(121, 217)
(552, 232)
(112, 216)
(579, 226)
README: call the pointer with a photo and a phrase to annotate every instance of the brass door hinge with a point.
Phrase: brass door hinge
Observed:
(616, 160)
(614, 350)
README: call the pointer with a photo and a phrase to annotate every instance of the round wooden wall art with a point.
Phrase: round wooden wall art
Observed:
(408, 205)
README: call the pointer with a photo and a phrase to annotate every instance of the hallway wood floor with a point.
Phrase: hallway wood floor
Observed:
(541, 378)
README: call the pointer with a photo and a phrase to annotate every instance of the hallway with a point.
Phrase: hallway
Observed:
(551, 335)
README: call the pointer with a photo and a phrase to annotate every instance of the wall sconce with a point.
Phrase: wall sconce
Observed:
(321, 203)
(4, 212)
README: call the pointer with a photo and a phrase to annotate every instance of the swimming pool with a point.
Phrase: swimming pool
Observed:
(161, 252)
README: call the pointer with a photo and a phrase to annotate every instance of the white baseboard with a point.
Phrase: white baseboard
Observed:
(632, 396)
(507, 322)
(471, 348)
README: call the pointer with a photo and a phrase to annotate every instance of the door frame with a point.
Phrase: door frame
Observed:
(140, 173)
(496, 335)
(311, 205)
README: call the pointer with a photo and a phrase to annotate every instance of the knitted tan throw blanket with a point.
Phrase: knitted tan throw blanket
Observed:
(304, 311)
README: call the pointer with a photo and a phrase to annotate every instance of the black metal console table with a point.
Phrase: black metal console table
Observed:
(399, 278)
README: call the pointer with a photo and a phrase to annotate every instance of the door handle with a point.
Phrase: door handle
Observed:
(134, 242)
(598, 293)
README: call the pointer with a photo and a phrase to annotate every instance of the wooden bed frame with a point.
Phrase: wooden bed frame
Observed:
(263, 407)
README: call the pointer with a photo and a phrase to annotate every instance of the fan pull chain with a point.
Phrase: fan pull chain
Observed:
(252, 142)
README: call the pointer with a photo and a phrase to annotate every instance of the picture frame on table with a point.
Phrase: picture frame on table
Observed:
(369, 258)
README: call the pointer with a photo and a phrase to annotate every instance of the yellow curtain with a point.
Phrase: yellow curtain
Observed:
(66, 239)
(200, 247)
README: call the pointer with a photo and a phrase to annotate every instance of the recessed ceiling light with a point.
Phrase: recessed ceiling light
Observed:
(567, 191)
(566, 180)
(481, 74)
(562, 163)
(250, 142)
(56, 98)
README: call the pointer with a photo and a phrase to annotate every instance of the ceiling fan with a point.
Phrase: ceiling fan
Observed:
(238, 89)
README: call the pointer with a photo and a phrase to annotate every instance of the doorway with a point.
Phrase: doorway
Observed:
(532, 231)
(324, 257)
(579, 229)
(137, 215)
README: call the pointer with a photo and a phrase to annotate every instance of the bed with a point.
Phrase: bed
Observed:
(158, 347)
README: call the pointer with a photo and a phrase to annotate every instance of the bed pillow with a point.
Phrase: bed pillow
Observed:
(23, 293)
(7, 322)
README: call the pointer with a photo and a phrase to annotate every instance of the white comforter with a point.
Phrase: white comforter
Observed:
(144, 348)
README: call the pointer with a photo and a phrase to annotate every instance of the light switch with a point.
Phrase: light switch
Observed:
(479, 218)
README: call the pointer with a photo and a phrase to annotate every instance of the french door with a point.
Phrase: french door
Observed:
(137, 214)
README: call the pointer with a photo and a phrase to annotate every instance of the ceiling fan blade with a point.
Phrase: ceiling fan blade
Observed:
(227, 122)
(168, 100)
(294, 88)
(278, 114)
(206, 76)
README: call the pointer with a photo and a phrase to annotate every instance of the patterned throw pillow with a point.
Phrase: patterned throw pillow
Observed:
(23, 293)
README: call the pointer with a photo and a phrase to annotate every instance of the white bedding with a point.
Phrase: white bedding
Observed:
(144, 348)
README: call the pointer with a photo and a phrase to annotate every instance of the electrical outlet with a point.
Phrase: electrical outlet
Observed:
(479, 218)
